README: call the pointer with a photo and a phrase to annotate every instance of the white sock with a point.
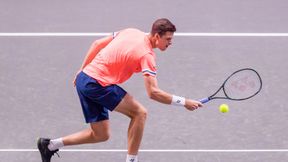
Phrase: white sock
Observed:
(55, 144)
(131, 158)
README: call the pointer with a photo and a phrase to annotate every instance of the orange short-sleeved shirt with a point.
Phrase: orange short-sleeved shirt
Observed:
(129, 52)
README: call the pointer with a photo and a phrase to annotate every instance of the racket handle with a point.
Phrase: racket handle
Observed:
(204, 100)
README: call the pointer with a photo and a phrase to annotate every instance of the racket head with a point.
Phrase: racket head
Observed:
(242, 84)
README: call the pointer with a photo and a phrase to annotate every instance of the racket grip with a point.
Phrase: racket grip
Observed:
(204, 100)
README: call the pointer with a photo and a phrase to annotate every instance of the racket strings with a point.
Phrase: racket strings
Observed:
(242, 85)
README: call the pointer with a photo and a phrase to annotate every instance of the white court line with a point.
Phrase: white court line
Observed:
(176, 34)
(163, 151)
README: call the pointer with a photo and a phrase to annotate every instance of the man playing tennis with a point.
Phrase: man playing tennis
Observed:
(111, 61)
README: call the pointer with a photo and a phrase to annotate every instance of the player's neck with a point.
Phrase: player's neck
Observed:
(152, 41)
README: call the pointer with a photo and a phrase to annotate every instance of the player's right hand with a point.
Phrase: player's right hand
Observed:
(192, 104)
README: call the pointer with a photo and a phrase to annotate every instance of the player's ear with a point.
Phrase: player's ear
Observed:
(157, 36)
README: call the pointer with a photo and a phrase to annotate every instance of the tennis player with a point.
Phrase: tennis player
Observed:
(111, 61)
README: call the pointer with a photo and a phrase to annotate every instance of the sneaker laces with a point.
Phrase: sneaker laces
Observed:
(55, 152)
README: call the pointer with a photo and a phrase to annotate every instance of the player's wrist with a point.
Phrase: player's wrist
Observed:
(178, 100)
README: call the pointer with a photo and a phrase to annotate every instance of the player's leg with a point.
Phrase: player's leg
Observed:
(112, 98)
(95, 114)
(137, 113)
(98, 132)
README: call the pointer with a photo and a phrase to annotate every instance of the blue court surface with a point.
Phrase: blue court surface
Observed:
(37, 97)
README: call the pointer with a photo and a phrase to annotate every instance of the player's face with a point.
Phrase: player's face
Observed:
(164, 41)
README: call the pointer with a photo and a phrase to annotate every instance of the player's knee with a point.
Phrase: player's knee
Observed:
(105, 137)
(142, 114)
(100, 137)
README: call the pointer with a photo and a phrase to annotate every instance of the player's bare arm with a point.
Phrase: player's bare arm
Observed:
(95, 48)
(155, 93)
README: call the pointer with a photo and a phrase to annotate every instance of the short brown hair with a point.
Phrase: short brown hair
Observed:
(161, 26)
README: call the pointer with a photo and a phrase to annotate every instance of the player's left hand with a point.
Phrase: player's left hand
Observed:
(74, 81)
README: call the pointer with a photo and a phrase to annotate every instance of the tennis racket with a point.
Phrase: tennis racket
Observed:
(240, 85)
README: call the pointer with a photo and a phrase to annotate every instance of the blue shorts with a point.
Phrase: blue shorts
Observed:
(95, 99)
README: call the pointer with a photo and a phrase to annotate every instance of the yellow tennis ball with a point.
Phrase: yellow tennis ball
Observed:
(224, 108)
